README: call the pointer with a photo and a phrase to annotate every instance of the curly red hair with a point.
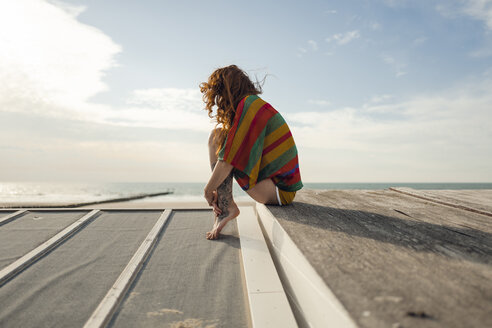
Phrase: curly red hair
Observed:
(225, 88)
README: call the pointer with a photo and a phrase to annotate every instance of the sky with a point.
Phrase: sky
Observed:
(373, 91)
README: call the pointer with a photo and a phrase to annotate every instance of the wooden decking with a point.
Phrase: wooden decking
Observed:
(398, 258)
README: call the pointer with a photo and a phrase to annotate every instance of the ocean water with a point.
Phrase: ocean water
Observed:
(44, 192)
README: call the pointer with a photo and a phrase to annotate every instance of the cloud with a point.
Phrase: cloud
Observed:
(481, 53)
(301, 51)
(344, 38)
(47, 55)
(480, 10)
(454, 118)
(395, 3)
(313, 45)
(419, 41)
(487, 73)
(318, 102)
(375, 26)
(52, 65)
(331, 12)
(168, 98)
(440, 137)
(169, 108)
(61, 159)
(397, 66)
(380, 98)
(71, 9)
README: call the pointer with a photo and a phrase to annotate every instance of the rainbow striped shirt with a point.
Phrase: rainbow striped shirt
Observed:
(260, 146)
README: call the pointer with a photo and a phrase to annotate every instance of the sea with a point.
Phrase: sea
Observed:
(49, 192)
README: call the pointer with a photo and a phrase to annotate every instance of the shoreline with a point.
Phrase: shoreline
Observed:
(195, 201)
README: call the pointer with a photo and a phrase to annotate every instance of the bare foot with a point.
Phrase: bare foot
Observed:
(221, 221)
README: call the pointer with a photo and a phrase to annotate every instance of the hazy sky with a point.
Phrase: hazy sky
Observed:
(374, 91)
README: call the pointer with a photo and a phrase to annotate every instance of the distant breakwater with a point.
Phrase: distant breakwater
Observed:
(112, 200)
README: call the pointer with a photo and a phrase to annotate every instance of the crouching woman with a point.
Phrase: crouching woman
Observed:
(252, 143)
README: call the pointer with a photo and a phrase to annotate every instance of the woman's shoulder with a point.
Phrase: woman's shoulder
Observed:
(255, 101)
(262, 104)
(251, 98)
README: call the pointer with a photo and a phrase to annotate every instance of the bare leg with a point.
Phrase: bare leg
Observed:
(225, 201)
(264, 192)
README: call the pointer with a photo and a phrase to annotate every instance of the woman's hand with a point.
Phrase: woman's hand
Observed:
(211, 197)
(215, 205)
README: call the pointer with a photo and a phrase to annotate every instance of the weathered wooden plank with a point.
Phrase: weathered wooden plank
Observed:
(395, 260)
(103, 313)
(476, 201)
(16, 267)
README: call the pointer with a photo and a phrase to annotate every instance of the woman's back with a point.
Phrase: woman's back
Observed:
(260, 146)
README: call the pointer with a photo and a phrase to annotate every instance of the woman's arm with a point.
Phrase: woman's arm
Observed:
(221, 171)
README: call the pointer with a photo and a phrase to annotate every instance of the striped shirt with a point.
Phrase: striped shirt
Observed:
(260, 146)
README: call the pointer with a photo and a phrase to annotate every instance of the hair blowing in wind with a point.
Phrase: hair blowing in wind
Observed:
(225, 88)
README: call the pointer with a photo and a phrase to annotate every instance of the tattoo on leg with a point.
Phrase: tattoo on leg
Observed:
(224, 196)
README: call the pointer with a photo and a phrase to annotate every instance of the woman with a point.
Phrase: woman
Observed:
(253, 144)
